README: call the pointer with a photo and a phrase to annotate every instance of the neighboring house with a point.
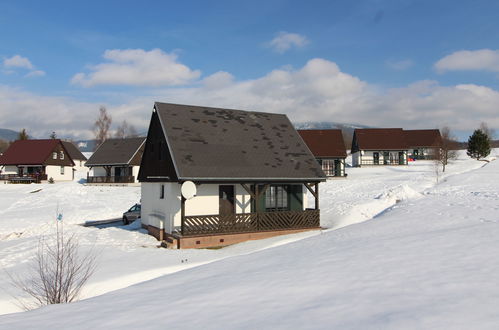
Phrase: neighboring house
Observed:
(423, 143)
(78, 158)
(250, 172)
(36, 160)
(379, 146)
(328, 147)
(116, 161)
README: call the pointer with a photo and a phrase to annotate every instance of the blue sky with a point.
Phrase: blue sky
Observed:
(382, 63)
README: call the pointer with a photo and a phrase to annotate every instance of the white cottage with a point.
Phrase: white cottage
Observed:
(247, 174)
(379, 146)
(116, 161)
(35, 161)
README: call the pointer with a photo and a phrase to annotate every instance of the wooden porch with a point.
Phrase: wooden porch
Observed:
(110, 179)
(249, 222)
(25, 178)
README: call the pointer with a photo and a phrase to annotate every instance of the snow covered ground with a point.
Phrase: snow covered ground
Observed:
(425, 261)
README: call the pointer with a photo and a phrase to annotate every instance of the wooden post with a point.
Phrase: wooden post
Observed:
(182, 215)
(317, 196)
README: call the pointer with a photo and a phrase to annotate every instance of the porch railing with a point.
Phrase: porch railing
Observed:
(381, 162)
(26, 178)
(111, 179)
(250, 222)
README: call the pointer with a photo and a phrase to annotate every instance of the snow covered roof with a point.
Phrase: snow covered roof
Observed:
(223, 144)
(118, 152)
(324, 142)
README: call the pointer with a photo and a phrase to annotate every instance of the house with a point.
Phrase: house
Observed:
(212, 177)
(328, 147)
(35, 161)
(423, 143)
(379, 146)
(78, 158)
(116, 161)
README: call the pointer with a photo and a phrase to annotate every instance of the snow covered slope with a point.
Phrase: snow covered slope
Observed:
(426, 262)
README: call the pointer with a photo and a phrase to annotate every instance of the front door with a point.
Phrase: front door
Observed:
(376, 158)
(226, 200)
(117, 171)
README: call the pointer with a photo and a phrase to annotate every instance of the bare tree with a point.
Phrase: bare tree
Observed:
(125, 130)
(58, 273)
(101, 127)
(3, 145)
(23, 135)
(487, 130)
(449, 146)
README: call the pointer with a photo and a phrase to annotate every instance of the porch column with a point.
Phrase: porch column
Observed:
(317, 196)
(182, 215)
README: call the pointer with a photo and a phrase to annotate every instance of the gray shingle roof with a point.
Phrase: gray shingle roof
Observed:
(73, 151)
(116, 152)
(222, 144)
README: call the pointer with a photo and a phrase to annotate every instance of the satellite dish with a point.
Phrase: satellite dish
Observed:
(188, 189)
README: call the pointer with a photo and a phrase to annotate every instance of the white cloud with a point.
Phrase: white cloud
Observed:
(318, 91)
(483, 59)
(17, 61)
(137, 67)
(400, 65)
(284, 41)
(35, 73)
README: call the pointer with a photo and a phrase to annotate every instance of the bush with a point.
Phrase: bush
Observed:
(51, 180)
(58, 273)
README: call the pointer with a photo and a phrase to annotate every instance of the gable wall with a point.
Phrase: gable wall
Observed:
(156, 159)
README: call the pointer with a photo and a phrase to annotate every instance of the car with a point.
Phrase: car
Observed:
(132, 214)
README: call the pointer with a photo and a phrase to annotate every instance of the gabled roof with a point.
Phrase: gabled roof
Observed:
(213, 144)
(420, 138)
(29, 152)
(117, 152)
(324, 142)
(379, 139)
(73, 151)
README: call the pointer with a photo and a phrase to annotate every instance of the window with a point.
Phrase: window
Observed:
(54, 155)
(62, 155)
(328, 166)
(162, 192)
(276, 198)
(62, 170)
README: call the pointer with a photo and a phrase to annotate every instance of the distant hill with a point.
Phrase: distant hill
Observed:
(8, 134)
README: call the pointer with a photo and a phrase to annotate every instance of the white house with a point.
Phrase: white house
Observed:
(116, 161)
(214, 176)
(36, 161)
(379, 146)
(328, 147)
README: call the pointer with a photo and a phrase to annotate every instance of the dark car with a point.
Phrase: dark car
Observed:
(132, 214)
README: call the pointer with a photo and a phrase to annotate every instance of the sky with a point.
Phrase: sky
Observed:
(381, 63)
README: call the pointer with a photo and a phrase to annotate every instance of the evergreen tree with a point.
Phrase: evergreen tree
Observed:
(23, 135)
(478, 144)
(53, 136)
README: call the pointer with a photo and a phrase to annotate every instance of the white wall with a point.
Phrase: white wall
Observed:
(54, 172)
(8, 169)
(135, 173)
(368, 155)
(167, 210)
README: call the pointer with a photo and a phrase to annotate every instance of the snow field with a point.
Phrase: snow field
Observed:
(363, 252)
